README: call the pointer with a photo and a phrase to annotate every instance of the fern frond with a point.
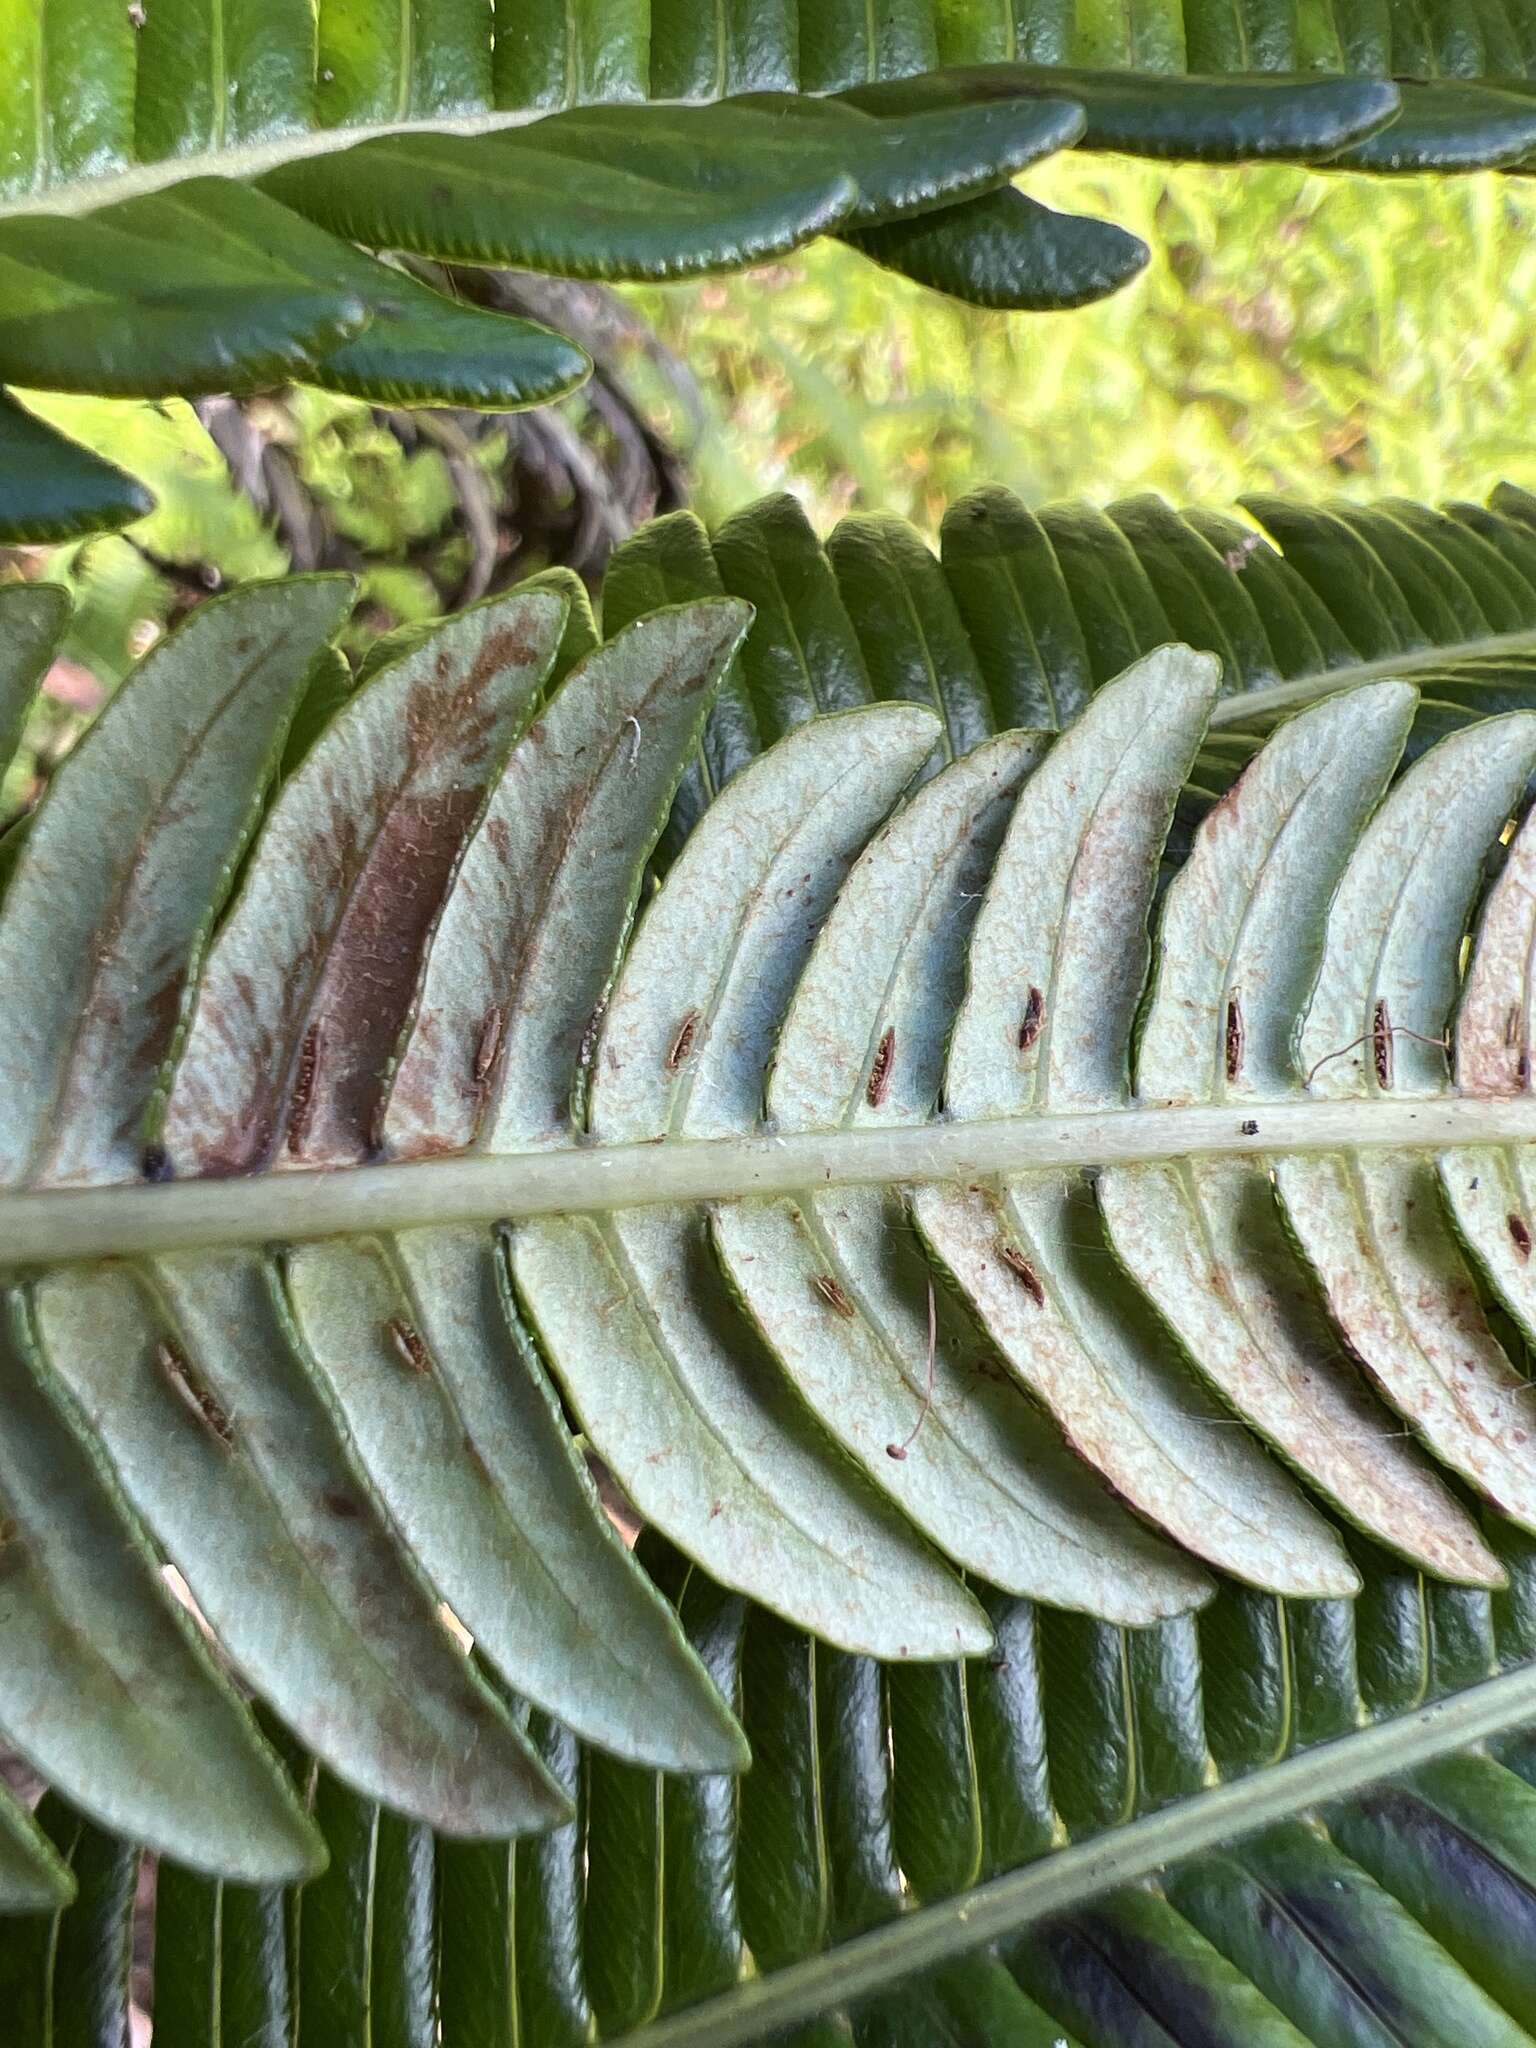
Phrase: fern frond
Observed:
(349, 1129)
(186, 200)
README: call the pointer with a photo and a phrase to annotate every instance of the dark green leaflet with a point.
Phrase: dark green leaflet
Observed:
(224, 1962)
(1447, 599)
(64, 1976)
(1404, 1644)
(219, 91)
(54, 488)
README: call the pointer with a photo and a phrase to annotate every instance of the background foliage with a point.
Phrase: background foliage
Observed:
(1295, 331)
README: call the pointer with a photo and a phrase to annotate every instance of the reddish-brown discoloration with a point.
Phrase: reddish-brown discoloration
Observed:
(993, 1370)
(1034, 1019)
(1099, 871)
(834, 1297)
(411, 1091)
(509, 880)
(405, 1341)
(878, 1085)
(1232, 1041)
(154, 1024)
(1023, 1271)
(1520, 1233)
(302, 1101)
(374, 960)
(682, 1041)
(1493, 1021)
(1381, 1043)
(178, 1375)
(378, 873)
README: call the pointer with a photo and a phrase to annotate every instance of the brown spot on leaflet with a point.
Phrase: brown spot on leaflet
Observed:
(405, 1341)
(682, 1040)
(1520, 1233)
(833, 1295)
(487, 1045)
(178, 1375)
(302, 1104)
(1233, 1038)
(1381, 1043)
(987, 1368)
(1381, 1034)
(879, 1083)
(342, 1505)
(594, 1024)
(388, 867)
(1022, 1270)
(1034, 1019)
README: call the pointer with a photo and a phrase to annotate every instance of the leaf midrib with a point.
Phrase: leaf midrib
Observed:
(1241, 707)
(1067, 1878)
(138, 1219)
(253, 159)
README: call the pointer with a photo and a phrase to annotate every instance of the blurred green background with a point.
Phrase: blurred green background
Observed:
(1298, 332)
(1292, 332)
